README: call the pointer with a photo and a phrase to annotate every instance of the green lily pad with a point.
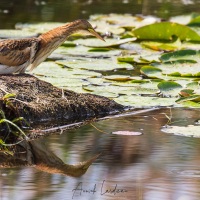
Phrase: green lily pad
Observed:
(92, 42)
(145, 102)
(190, 104)
(195, 21)
(166, 31)
(39, 27)
(194, 98)
(180, 69)
(9, 34)
(95, 64)
(104, 27)
(118, 77)
(168, 85)
(150, 71)
(182, 55)
(169, 88)
(163, 46)
(51, 69)
(82, 51)
(187, 131)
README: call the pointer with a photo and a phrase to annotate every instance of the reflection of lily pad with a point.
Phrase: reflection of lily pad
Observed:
(188, 131)
(126, 133)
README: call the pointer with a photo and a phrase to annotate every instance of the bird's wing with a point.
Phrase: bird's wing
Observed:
(17, 51)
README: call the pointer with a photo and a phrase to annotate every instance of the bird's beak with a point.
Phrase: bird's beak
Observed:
(93, 32)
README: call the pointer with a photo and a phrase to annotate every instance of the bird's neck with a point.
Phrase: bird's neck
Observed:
(58, 35)
(51, 40)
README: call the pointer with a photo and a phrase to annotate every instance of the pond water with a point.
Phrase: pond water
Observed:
(152, 166)
(14, 11)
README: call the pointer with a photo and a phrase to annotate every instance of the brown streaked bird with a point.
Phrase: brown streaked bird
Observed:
(16, 55)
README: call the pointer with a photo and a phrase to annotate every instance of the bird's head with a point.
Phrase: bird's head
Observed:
(85, 26)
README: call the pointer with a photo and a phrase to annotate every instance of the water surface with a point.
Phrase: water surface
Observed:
(152, 166)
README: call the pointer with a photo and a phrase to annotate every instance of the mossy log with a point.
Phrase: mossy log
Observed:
(38, 101)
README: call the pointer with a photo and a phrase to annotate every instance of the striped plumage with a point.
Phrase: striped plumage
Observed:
(16, 55)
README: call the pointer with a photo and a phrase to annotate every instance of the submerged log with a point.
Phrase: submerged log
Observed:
(38, 101)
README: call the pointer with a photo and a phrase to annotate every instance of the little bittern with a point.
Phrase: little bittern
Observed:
(16, 55)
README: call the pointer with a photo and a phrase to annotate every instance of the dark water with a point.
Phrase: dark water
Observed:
(14, 11)
(152, 166)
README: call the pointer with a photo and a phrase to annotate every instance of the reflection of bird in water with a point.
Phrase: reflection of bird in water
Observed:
(36, 153)
(18, 54)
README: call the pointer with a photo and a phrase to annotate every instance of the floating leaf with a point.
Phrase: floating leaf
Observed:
(118, 77)
(180, 69)
(188, 131)
(39, 27)
(95, 65)
(126, 133)
(195, 21)
(182, 55)
(150, 71)
(195, 98)
(9, 34)
(166, 31)
(186, 92)
(169, 88)
(181, 19)
(145, 102)
(82, 51)
(98, 43)
(163, 46)
(168, 85)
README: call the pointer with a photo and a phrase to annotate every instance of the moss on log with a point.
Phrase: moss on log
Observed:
(38, 101)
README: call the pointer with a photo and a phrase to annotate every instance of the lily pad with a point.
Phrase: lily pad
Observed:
(38, 27)
(150, 71)
(118, 77)
(166, 31)
(169, 88)
(163, 46)
(180, 69)
(181, 19)
(9, 34)
(182, 55)
(51, 69)
(168, 85)
(82, 51)
(95, 65)
(145, 102)
(98, 43)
